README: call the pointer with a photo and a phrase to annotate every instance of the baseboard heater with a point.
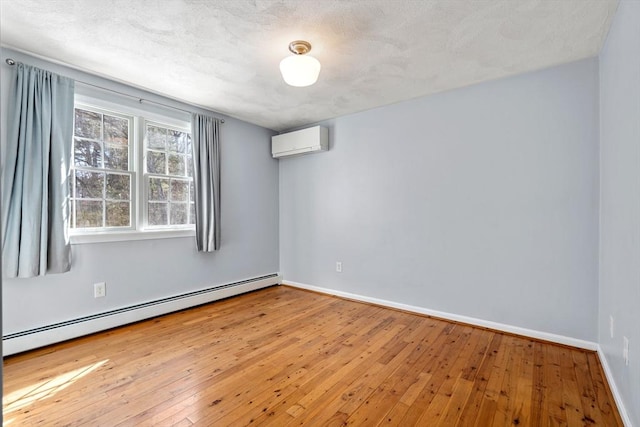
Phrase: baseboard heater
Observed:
(39, 337)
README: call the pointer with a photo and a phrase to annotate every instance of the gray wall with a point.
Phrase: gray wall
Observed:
(140, 271)
(620, 201)
(481, 202)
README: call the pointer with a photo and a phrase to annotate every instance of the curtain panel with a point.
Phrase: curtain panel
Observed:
(205, 135)
(35, 175)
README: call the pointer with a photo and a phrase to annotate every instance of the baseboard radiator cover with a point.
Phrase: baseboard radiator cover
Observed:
(50, 334)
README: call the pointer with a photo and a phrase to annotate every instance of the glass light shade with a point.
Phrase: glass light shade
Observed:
(300, 70)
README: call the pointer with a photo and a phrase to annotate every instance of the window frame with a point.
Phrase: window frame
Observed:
(139, 229)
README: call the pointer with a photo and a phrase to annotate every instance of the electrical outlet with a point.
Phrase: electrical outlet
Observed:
(339, 267)
(611, 325)
(99, 289)
(625, 350)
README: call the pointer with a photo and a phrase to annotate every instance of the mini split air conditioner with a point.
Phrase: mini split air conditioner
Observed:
(303, 141)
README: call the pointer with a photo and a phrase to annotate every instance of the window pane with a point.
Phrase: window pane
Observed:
(88, 213)
(189, 166)
(88, 124)
(156, 162)
(192, 213)
(178, 213)
(179, 190)
(89, 185)
(176, 141)
(158, 189)
(118, 214)
(158, 213)
(156, 137)
(116, 130)
(118, 186)
(116, 157)
(176, 164)
(87, 153)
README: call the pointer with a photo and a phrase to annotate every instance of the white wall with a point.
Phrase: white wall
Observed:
(481, 202)
(141, 271)
(620, 201)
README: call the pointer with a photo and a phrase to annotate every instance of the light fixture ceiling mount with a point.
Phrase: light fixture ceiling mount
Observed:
(300, 69)
(299, 47)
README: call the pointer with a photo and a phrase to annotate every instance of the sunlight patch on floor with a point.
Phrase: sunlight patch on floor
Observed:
(45, 389)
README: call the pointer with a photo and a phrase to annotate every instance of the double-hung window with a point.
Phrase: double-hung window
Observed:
(103, 173)
(168, 178)
(131, 174)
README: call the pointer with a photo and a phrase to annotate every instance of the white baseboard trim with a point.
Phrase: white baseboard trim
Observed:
(546, 336)
(40, 337)
(614, 389)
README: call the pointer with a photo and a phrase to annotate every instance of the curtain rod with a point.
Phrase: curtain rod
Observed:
(12, 62)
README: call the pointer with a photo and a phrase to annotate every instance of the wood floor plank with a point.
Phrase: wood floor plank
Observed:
(453, 410)
(554, 411)
(605, 405)
(521, 413)
(506, 402)
(482, 378)
(320, 388)
(282, 356)
(570, 390)
(445, 380)
(443, 355)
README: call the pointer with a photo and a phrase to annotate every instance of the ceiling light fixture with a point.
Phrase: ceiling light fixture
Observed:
(300, 69)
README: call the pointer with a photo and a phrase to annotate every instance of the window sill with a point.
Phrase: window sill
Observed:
(81, 239)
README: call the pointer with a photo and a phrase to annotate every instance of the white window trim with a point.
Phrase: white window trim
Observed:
(124, 236)
(139, 229)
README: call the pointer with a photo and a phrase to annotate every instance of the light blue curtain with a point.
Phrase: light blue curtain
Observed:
(205, 136)
(35, 175)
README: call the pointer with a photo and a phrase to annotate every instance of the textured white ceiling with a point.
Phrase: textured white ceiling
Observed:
(224, 54)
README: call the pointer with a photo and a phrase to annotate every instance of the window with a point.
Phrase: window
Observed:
(130, 173)
(102, 174)
(168, 178)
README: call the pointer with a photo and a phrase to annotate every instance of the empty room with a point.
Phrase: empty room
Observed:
(320, 212)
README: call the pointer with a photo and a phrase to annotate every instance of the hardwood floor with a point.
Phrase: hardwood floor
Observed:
(282, 356)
